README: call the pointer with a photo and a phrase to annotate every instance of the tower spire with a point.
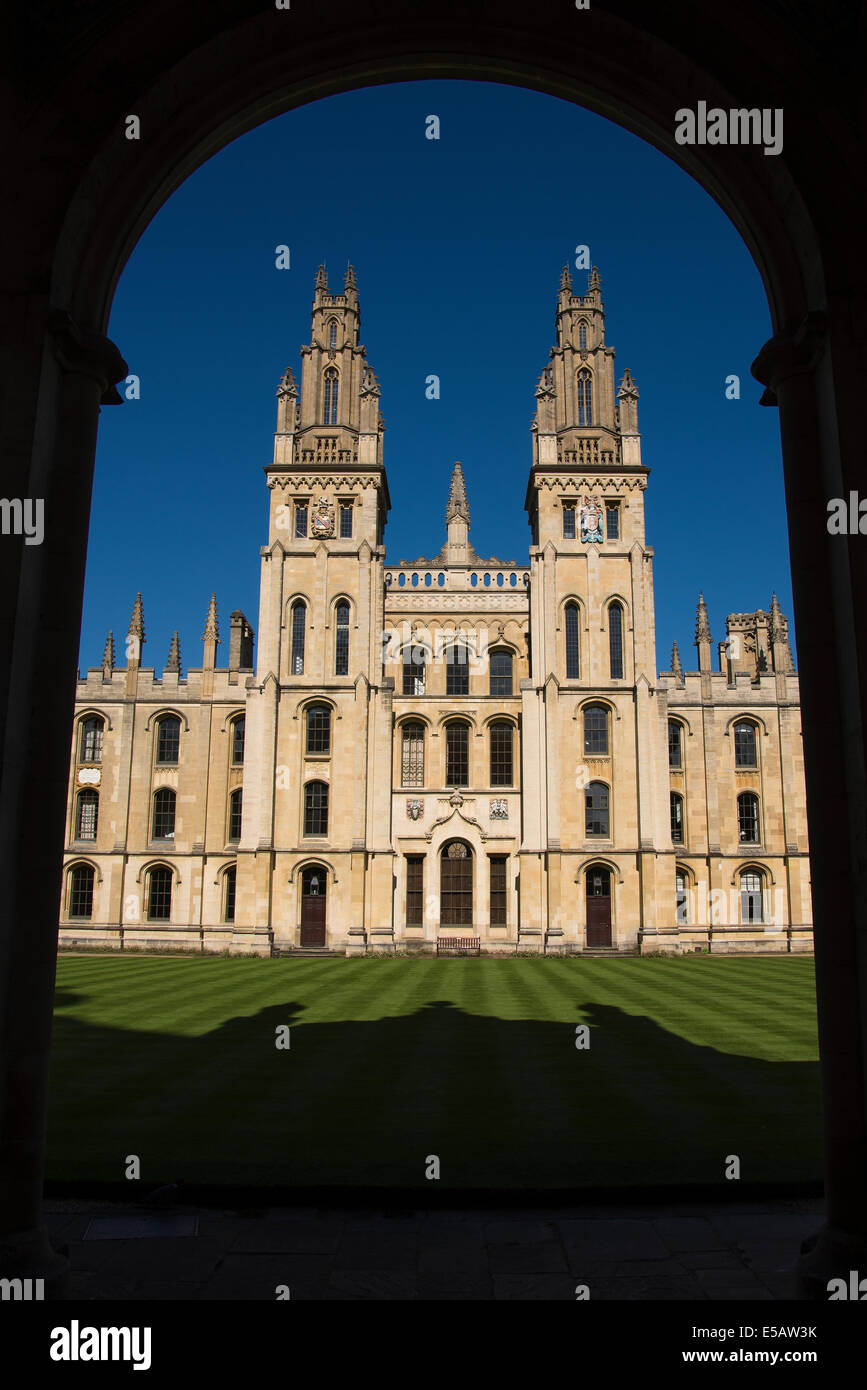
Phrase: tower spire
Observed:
(174, 658)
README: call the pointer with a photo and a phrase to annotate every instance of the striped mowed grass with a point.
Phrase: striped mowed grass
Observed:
(390, 1061)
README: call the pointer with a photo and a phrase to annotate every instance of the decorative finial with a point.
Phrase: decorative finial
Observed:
(676, 666)
(457, 504)
(350, 282)
(594, 283)
(108, 654)
(174, 661)
(321, 279)
(627, 385)
(136, 622)
(212, 631)
(702, 626)
(287, 385)
(566, 279)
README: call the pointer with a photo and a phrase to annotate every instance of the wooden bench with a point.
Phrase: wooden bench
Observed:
(464, 945)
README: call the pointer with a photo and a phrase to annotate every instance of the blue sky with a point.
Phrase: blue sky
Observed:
(457, 246)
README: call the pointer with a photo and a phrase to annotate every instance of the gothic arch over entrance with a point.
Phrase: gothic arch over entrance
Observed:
(203, 78)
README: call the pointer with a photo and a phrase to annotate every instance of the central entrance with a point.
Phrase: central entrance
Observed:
(313, 898)
(456, 885)
(598, 882)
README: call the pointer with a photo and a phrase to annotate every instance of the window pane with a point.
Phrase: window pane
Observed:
(572, 642)
(596, 813)
(319, 729)
(457, 671)
(164, 814)
(412, 755)
(456, 886)
(235, 814)
(682, 899)
(612, 521)
(160, 895)
(501, 755)
(674, 743)
(501, 673)
(457, 755)
(745, 745)
(88, 811)
(676, 805)
(748, 818)
(498, 890)
(316, 808)
(615, 640)
(345, 522)
(239, 730)
(229, 902)
(569, 523)
(341, 641)
(413, 671)
(168, 740)
(596, 730)
(585, 399)
(91, 741)
(415, 890)
(299, 621)
(81, 892)
(301, 519)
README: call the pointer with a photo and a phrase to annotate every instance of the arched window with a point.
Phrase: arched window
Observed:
(81, 892)
(239, 731)
(316, 808)
(230, 879)
(414, 658)
(682, 897)
(751, 896)
(412, 755)
(91, 740)
(675, 801)
(585, 398)
(596, 819)
(457, 670)
(159, 894)
(615, 640)
(332, 333)
(341, 639)
(501, 673)
(164, 814)
(87, 814)
(299, 624)
(745, 744)
(582, 336)
(502, 772)
(572, 659)
(748, 818)
(596, 730)
(457, 755)
(329, 414)
(456, 885)
(235, 806)
(168, 739)
(675, 743)
(319, 729)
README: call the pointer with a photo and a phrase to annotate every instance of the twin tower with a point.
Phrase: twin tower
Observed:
(452, 749)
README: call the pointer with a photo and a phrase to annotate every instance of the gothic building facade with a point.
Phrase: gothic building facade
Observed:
(454, 747)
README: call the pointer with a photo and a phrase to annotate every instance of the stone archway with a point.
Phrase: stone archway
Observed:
(200, 79)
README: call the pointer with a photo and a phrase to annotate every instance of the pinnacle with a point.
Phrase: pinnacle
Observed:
(702, 626)
(174, 659)
(457, 503)
(676, 665)
(136, 622)
(212, 631)
(108, 654)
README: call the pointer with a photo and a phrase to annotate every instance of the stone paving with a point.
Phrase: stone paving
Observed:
(709, 1252)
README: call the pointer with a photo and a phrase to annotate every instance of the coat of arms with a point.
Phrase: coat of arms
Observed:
(499, 808)
(591, 520)
(322, 519)
(415, 808)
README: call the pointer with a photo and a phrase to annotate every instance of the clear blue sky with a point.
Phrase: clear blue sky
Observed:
(457, 246)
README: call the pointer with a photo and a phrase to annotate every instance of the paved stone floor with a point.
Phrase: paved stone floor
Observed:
(730, 1251)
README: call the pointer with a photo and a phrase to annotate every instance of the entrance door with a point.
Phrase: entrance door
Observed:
(313, 881)
(456, 885)
(598, 908)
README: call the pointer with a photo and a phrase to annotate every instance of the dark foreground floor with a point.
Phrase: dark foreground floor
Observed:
(706, 1252)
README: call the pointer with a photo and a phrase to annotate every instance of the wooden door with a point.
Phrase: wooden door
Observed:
(598, 908)
(456, 885)
(313, 898)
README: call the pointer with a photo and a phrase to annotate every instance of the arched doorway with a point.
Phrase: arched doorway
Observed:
(597, 883)
(314, 882)
(456, 885)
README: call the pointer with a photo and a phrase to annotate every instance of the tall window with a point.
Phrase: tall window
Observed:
(81, 891)
(299, 623)
(675, 744)
(748, 818)
(457, 755)
(235, 807)
(585, 398)
(346, 521)
(412, 755)
(413, 670)
(501, 754)
(88, 813)
(230, 879)
(572, 661)
(239, 732)
(681, 894)
(457, 670)
(596, 730)
(329, 414)
(164, 814)
(415, 890)
(582, 336)
(316, 808)
(168, 740)
(91, 740)
(319, 729)
(596, 820)
(456, 885)
(612, 521)
(301, 511)
(501, 673)
(751, 896)
(569, 523)
(676, 808)
(160, 894)
(332, 333)
(498, 890)
(341, 639)
(615, 640)
(745, 745)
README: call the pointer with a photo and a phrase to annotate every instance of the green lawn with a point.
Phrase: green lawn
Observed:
(472, 1060)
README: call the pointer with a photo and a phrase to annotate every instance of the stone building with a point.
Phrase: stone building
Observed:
(453, 746)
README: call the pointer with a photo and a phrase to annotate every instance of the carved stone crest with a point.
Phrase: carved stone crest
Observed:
(499, 808)
(591, 520)
(414, 808)
(322, 519)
